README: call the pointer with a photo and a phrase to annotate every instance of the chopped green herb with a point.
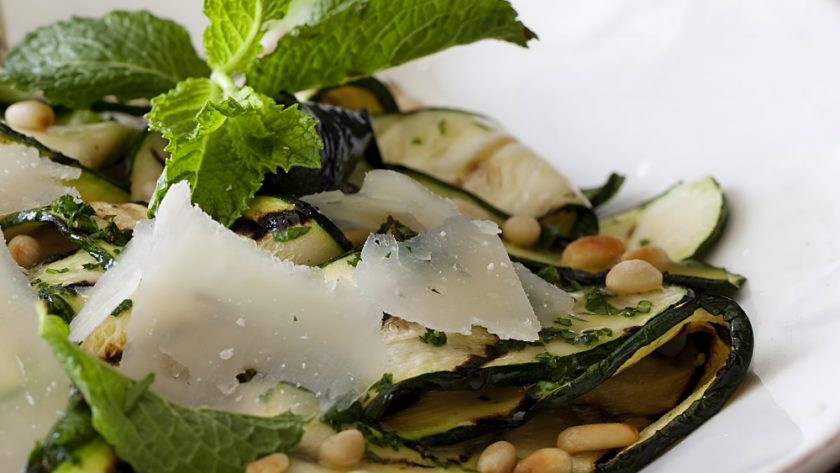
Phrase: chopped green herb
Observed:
(384, 383)
(417, 141)
(337, 419)
(644, 242)
(91, 266)
(36, 282)
(572, 286)
(290, 233)
(433, 337)
(548, 236)
(295, 319)
(406, 232)
(112, 235)
(355, 260)
(124, 306)
(246, 376)
(76, 214)
(442, 127)
(596, 302)
(408, 248)
(379, 438)
(549, 274)
(563, 322)
(56, 271)
(58, 300)
(481, 125)
(544, 387)
(388, 255)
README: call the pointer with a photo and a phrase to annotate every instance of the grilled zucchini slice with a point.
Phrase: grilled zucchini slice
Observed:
(367, 93)
(291, 230)
(474, 153)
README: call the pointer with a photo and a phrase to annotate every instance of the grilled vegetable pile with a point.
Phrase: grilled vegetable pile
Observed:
(260, 262)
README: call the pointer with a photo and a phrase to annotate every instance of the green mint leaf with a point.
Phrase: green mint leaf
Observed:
(154, 435)
(124, 306)
(81, 60)
(433, 337)
(231, 40)
(355, 38)
(224, 145)
(549, 275)
(290, 234)
(563, 322)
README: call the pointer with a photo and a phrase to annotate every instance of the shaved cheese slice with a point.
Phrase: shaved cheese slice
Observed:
(456, 276)
(33, 387)
(28, 180)
(117, 284)
(211, 306)
(548, 300)
(384, 194)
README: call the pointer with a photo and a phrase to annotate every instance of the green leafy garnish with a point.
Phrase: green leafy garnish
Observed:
(57, 271)
(345, 40)
(75, 214)
(91, 266)
(563, 322)
(596, 303)
(644, 242)
(290, 234)
(434, 338)
(112, 235)
(125, 305)
(232, 38)
(81, 60)
(336, 418)
(224, 140)
(154, 435)
(355, 260)
(384, 383)
(549, 274)
(57, 298)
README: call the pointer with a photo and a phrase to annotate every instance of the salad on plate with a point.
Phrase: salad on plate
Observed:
(268, 260)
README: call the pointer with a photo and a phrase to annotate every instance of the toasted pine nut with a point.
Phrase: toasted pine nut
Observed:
(471, 209)
(522, 230)
(545, 460)
(633, 277)
(274, 463)
(30, 115)
(359, 471)
(499, 457)
(357, 237)
(25, 250)
(344, 448)
(586, 438)
(593, 253)
(652, 254)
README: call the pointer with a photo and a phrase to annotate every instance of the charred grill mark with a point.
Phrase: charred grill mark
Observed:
(475, 362)
(78, 285)
(632, 330)
(274, 221)
(723, 333)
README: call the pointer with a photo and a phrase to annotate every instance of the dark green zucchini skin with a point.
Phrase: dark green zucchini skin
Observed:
(724, 385)
(348, 139)
(601, 195)
(580, 373)
(721, 287)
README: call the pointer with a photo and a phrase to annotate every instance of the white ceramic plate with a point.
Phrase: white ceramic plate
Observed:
(663, 90)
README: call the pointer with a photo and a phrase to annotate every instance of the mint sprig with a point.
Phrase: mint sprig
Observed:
(224, 140)
(154, 435)
(232, 38)
(81, 60)
(355, 38)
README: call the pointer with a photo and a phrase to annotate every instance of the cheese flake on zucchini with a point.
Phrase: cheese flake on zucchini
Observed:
(453, 277)
(212, 306)
(384, 194)
(28, 180)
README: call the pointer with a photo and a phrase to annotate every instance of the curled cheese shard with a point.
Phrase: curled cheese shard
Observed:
(453, 277)
(384, 194)
(33, 387)
(548, 300)
(211, 306)
(28, 180)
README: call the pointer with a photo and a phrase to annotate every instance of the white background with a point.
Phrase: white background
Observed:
(662, 90)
